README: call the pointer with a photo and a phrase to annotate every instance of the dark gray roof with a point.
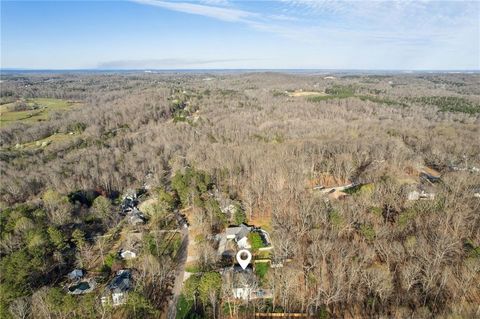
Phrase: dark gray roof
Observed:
(243, 232)
(121, 282)
(232, 230)
(137, 217)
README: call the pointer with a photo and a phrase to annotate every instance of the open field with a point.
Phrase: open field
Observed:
(47, 141)
(42, 108)
(305, 93)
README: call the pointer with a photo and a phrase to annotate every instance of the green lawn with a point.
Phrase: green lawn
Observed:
(193, 268)
(266, 254)
(255, 241)
(335, 92)
(46, 107)
(261, 269)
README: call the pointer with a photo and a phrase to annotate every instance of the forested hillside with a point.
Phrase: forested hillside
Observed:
(368, 186)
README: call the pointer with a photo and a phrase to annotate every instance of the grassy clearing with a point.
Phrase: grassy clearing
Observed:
(192, 267)
(47, 141)
(41, 109)
(305, 93)
(343, 92)
(334, 92)
(360, 189)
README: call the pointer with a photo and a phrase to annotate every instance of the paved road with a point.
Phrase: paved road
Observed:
(181, 261)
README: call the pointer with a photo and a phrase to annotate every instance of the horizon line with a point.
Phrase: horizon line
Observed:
(235, 69)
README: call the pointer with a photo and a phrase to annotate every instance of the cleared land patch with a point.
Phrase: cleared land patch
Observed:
(306, 93)
(44, 142)
(32, 110)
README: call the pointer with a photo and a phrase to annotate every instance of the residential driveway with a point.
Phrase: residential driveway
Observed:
(179, 273)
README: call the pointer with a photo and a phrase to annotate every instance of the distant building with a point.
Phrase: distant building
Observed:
(416, 195)
(136, 217)
(128, 254)
(428, 174)
(239, 234)
(129, 202)
(75, 274)
(261, 294)
(242, 281)
(118, 287)
(244, 284)
(424, 191)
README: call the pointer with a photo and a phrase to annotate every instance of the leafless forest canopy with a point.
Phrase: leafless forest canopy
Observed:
(266, 140)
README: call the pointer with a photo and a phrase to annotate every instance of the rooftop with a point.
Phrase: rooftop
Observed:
(121, 282)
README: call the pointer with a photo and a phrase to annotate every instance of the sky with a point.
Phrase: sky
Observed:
(227, 34)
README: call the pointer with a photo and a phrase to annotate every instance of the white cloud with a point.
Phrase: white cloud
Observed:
(216, 2)
(220, 13)
(407, 29)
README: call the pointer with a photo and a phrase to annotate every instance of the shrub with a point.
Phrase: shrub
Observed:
(77, 127)
(261, 269)
(405, 217)
(239, 215)
(138, 306)
(255, 241)
(191, 182)
(368, 232)
(335, 219)
(57, 238)
(166, 200)
(341, 91)
(102, 207)
(211, 282)
(110, 259)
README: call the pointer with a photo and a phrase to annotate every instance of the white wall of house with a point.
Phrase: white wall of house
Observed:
(118, 298)
(243, 243)
(241, 293)
(413, 195)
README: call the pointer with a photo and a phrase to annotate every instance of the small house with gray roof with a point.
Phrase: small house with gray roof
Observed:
(119, 287)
